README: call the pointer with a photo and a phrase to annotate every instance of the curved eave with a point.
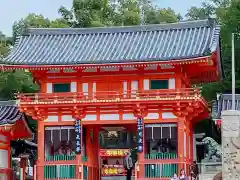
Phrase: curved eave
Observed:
(10, 116)
(193, 60)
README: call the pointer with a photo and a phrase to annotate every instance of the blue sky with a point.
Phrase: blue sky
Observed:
(13, 10)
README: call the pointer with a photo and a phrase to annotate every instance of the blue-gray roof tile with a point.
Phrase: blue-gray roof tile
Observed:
(161, 42)
(224, 103)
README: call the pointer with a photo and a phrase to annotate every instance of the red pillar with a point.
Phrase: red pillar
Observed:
(41, 151)
(180, 144)
(23, 164)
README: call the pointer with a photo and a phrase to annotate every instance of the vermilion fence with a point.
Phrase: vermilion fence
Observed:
(7, 174)
(66, 172)
(158, 171)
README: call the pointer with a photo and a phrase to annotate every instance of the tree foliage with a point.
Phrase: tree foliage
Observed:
(36, 21)
(227, 13)
(95, 13)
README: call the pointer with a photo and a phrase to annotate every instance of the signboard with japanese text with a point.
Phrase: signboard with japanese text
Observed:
(140, 134)
(113, 171)
(113, 152)
(78, 132)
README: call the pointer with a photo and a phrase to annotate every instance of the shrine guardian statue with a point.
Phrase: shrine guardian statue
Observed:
(214, 149)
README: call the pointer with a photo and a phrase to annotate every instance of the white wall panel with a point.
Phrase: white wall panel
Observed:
(85, 88)
(4, 158)
(146, 84)
(49, 88)
(73, 86)
(172, 83)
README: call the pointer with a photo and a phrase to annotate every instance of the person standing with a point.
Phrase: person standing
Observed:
(128, 164)
(183, 175)
(194, 171)
(175, 177)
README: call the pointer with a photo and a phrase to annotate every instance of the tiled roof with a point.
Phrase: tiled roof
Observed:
(9, 114)
(223, 103)
(160, 42)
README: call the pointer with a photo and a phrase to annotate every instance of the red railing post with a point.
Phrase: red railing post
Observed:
(35, 172)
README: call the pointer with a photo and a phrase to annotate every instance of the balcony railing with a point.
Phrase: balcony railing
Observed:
(110, 96)
(161, 156)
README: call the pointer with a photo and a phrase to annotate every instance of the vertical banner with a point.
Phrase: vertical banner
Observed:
(78, 132)
(140, 134)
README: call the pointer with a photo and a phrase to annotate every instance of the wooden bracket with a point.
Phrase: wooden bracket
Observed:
(79, 113)
(139, 111)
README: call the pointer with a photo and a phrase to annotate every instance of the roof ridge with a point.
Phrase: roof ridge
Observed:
(8, 103)
(121, 29)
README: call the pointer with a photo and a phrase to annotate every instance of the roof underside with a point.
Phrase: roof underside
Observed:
(69, 46)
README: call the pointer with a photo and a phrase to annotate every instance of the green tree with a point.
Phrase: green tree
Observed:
(5, 44)
(97, 13)
(210, 8)
(228, 15)
(15, 81)
(36, 21)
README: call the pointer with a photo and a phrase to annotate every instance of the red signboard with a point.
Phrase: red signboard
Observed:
(113, 171)
(113, 152)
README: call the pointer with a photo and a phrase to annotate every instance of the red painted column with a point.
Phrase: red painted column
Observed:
(10, 173)
(23, 164)
(180, 144)
(41, 151)
(187, 131)
(190, 143)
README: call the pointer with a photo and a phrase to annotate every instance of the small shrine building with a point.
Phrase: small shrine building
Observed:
(106, 91)
(13, 125)
(222, 103)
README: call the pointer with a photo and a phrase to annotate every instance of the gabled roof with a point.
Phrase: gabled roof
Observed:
(161, 42)
(224, 103)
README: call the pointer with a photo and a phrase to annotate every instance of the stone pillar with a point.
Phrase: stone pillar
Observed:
(231, 145)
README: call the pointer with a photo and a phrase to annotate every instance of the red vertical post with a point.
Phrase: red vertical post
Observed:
(23, 164)
(41, 150)
(180, 144)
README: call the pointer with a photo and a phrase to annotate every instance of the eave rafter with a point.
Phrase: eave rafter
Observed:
(203, 60)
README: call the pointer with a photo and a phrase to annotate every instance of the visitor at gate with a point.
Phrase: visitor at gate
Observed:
(193, 171)
(183, 175)
(175, 177)
(128, 165)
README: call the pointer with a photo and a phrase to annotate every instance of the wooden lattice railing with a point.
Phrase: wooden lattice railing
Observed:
(110, 96)
(159, 170)
(66, 172)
